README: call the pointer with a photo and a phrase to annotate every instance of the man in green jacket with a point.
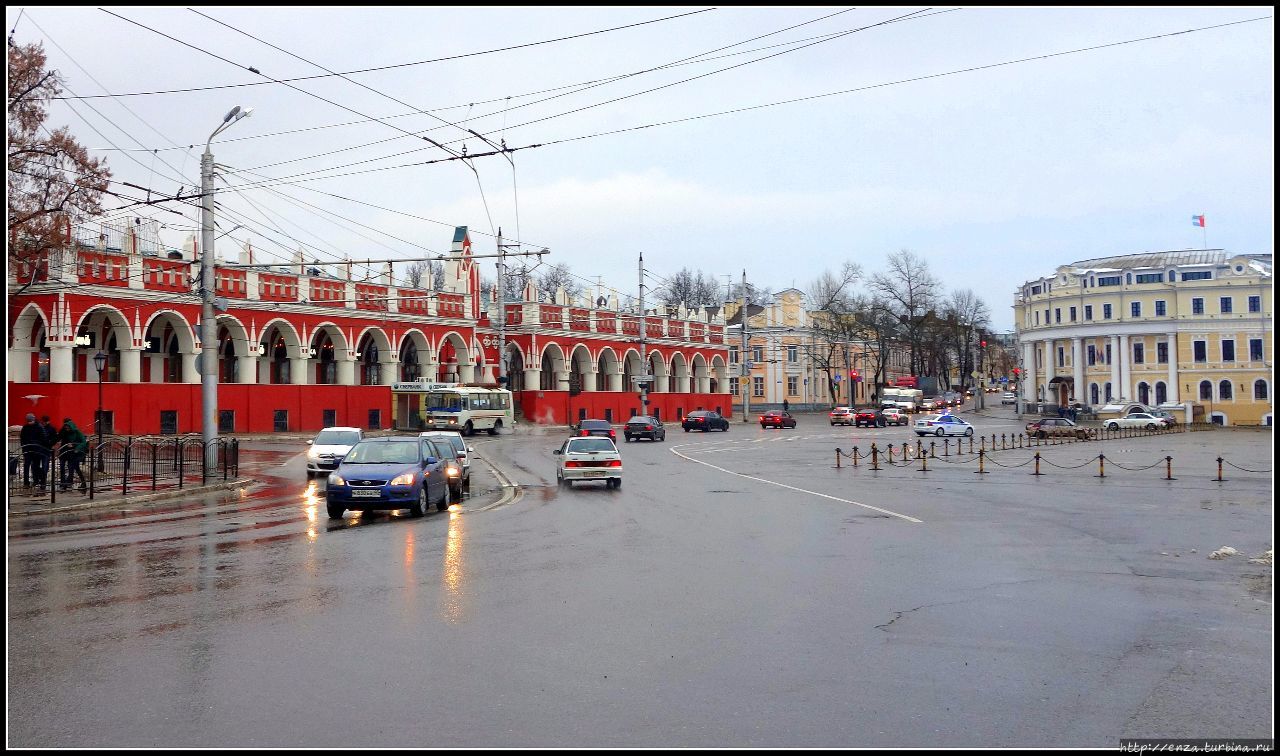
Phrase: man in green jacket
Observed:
(73, 446)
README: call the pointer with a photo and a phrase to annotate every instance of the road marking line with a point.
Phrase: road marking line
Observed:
(908, 518)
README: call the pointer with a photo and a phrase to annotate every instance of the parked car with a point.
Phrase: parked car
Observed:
(1136, 420)
(462, 454)
(942, 425)
(777, 419)
(589, 458)
(643, 426)
(1047, 427)
(1164, 415)
(394, 472)
(596, 428)
(870, 417)
(704, 420)
(895, 416)
(931, 404)
(842, 416)
(1008, 397)
(329, 447)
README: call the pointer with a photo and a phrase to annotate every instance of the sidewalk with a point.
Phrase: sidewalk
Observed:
(23, 502)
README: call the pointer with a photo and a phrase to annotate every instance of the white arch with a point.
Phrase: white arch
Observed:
(332, 329)
(185, 334)
(27, 318)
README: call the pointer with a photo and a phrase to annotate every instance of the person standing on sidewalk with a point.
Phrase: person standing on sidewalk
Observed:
(73, 447)
(50, 434)
(32, 440)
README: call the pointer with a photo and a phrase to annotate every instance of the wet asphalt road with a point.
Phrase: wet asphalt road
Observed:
(737, 591)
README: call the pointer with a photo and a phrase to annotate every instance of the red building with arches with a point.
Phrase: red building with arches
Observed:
(301, 348)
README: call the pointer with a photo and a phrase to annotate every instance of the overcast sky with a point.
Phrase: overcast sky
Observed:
(994, 176)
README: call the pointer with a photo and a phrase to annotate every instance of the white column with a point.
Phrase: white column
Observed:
(613, 378)
(298, 369)
(1077, 370)
(1115, 366)
(189, 374)
(532, 379)
(247, 369)
(1029, 378)
(1173, 367)
(1049, 368)
(346, 372)
(1126, 370)
(467, 373)
(130, 365)
(20, 364)
(61, 363)
(388, 371)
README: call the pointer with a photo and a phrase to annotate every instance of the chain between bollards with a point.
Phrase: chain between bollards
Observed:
(981, 456)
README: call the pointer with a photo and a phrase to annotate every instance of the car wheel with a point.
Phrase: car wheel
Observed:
(968, 432)
(420, 507)
(627, 437)
(686, 430)
(617, 482)
(1151, 426)
(443, 504)
(497, 426)
(1113, 426)
(469, 430)
(335, 511)
(560, 481)
(1042, 435)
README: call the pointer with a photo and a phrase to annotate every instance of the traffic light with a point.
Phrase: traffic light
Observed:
(984, 345)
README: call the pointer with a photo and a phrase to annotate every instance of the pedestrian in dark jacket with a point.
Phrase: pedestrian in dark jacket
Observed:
(32, 439)
(50, 434)
(73, 446)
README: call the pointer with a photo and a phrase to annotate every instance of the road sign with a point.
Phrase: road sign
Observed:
(837, 377)
(642, 379)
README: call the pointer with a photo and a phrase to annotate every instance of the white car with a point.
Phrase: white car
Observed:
(1008, 397)
(589, 458)
(942, 425)
(329, 447)
(1136, 420)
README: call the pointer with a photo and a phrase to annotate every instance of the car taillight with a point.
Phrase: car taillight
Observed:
(615, 463)
(585, 433)
(571, 463)
(762, 417)
(612, 434)
(648, 427)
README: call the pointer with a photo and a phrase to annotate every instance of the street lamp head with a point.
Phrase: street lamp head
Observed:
(100, 361)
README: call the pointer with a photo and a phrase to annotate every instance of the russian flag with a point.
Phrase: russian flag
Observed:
(1197, 220)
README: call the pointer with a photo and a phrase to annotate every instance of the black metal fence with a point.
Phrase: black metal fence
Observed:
(126, 464)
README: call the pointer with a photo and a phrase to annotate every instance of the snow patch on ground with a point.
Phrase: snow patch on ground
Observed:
(1223, 553)
(1263, 558)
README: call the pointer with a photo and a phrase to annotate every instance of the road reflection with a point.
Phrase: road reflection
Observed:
(454, 606)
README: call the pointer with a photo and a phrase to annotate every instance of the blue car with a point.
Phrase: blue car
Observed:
(389, 473)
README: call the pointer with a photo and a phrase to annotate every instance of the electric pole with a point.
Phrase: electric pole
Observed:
(746, 374)
(644, 357)
(502, 317)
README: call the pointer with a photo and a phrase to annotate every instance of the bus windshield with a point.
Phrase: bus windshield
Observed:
(444, 401)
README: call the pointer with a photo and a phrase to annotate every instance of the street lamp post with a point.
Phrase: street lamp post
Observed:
(208, 288)
(100, 364)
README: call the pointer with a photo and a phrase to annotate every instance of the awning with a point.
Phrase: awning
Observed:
(1061, 379)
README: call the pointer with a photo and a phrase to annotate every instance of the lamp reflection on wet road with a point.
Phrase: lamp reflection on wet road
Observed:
(453, 573)
(310, 507)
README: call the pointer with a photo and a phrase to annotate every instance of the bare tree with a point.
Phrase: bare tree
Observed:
(52, 182)
(912, 293)
(690, 289)
(559, 276)
(414, 273)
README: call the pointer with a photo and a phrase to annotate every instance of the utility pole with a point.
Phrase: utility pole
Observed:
(644, 357)
(746, 374)
(502, 317)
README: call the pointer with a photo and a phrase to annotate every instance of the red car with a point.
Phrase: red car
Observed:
(777, 419)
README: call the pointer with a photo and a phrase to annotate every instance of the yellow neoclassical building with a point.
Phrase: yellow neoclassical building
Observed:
(1190, 327)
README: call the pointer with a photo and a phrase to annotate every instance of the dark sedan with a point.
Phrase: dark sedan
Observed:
(704, 420)
(643, 426)
(777, 419)
(389, 473)
(596, 428)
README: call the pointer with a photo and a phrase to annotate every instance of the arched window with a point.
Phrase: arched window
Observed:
(409, 368)
(1162, 393)
(1128, 278)
(1144, 393)
(1106, 388)
(1224, 390)
(1173, 276)
(1260, 389)
(1093, 393)
(1206, 390)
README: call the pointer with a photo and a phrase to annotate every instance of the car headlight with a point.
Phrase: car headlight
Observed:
(336, 480)
(312, 453)
(404, 479)
(454, 472)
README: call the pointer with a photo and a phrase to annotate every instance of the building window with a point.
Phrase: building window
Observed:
(1260, 389)
(1035, 289)
(1091, 354)
(1046, 316)
(1108, 354)
(757, 386)
(1162, 352)
(1062, 356)
(1150, 278)
(1073, 314)
(226, 421)
(1106, 389)
(1139, 354)
(1255, 350)
(1206, 390)
(1160, 308)
(1198, 351)
(792, 354)
(330, 417)
(733, 356)
(792, 385)
(1173, 276)
(375, 419)
(168, 422)
(1088, 312)
(1162, 394)
(1197, 305)
(1144, 393)
(1106, 312)
(1037, 317)
(1093, 393)
(1057, 314)
(1198, 275)
(1224, 304)
(757, 354)
(1128, 278)
(1228, 350)
(1255, 304)
(1108, 280)
(280, 421)
(733, 386)
(1224, 390)
(1135, 309)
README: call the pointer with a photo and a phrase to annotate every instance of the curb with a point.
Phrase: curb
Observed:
(130, 500)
